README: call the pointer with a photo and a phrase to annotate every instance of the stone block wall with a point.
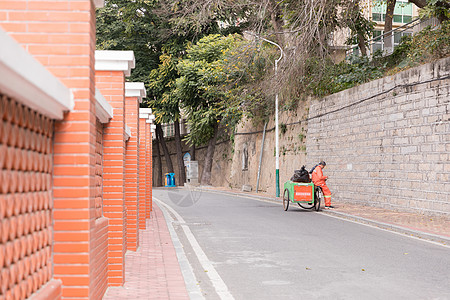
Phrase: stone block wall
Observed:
(387, 142)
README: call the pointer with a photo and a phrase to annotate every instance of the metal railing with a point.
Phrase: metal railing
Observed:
(379, 42)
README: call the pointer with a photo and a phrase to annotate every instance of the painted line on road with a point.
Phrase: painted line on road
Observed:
(387, 230)
(186, 269)
(392, 228)
(217, 281)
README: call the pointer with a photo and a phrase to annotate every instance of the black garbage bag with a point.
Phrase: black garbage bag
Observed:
(301, 175)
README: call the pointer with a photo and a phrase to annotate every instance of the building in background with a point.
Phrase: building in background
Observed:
(375, 10)
(404, 12)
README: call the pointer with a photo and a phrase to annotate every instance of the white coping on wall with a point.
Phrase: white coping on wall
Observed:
(135, 89)
(151, 118)
(114, 60)
(23, 78)
(145, 110)
(99, 3)
(103, 110)
(127, 132)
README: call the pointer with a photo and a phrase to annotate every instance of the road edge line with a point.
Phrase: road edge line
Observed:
(187, 272)
(217, 281)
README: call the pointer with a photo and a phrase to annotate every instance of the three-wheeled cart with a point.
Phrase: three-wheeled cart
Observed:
(306, 195)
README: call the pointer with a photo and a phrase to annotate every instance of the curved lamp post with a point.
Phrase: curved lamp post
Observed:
(277, 146)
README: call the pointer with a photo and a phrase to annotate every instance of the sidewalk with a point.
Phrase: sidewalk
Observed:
(435, 228)
(153, 271)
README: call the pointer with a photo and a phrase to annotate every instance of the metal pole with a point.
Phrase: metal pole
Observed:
(277, 146)
(260, 156)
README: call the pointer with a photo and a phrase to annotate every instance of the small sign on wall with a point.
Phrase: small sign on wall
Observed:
(186, 158)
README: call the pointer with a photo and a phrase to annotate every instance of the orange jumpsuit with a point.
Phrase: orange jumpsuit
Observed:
(319, 180)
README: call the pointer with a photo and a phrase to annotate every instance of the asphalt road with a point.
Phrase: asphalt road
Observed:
(251, 249)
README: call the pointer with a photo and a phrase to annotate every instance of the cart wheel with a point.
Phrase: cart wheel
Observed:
(286, 199)
(318, 197)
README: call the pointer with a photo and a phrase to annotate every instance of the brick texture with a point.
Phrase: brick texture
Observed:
(112, 86)
(132, 173)
(61, 35)
(99, 261)
(142, 176)
(149, 171)
(25, 202)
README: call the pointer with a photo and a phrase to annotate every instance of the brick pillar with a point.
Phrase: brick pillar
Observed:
(111, 69)
(142, 170)
(148, 171)
(134, 91)
(144, 114)
(99, 262)
(152, 129)
(61, 35)
(147, 114)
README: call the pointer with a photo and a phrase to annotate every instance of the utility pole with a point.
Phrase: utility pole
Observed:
(277, 145)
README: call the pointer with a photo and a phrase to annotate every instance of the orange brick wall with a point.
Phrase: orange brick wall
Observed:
(99, 170)
(149, 174)
(25, 201)
(150, 171)
(142, 176)
(61, 35)
(132, 173)
(101, 184)
(99, 261)
(112, 86)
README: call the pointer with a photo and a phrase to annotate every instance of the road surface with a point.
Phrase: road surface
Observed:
(243, 248)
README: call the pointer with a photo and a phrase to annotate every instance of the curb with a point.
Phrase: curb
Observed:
(395, 228)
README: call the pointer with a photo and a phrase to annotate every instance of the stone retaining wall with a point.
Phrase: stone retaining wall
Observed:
(387, 142)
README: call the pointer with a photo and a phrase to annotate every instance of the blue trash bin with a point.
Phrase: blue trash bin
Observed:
(170, 179)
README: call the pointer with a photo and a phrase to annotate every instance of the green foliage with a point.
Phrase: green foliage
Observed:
(131, 25)
(153, 30)
(324, 77)
(355, 20)
(161, 85)
(283, 128)
(218, 80)
(213, 86)
(436, 8)
(429, 44)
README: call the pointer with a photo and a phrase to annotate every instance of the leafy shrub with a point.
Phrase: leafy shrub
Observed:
(324, 77)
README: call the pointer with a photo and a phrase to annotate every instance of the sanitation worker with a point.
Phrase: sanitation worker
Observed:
(319, 179)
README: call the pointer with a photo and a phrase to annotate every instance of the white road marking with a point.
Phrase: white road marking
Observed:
(217, 281)
(387, 230)
(186, 269)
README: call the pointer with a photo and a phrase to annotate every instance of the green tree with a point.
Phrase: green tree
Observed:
(160, 29)
(210, 88)
(132, 25)
(434, 8)
(166, 105)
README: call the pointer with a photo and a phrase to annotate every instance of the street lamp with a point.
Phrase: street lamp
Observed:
(277, 146)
